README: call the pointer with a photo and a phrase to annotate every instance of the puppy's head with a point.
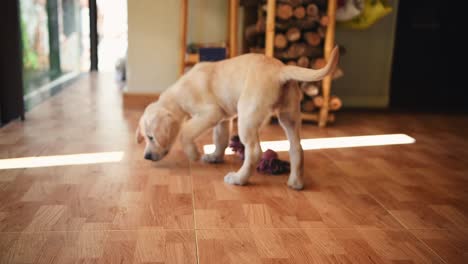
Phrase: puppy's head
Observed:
(158, 128)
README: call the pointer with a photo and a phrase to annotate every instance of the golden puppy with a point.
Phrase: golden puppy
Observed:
(251, 87)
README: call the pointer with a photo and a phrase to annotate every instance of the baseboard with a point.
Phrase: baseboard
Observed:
(364, 101)
(138, 100)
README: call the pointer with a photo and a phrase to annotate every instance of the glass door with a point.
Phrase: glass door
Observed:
(55, 44)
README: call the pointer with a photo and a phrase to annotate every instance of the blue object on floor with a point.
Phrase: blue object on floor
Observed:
(212, 53)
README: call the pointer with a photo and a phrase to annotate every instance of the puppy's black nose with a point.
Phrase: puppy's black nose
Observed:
(148, 156)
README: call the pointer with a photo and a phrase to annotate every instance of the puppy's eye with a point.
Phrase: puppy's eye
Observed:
(150, 138)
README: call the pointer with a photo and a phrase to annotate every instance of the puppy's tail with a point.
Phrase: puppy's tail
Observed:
(290, 72)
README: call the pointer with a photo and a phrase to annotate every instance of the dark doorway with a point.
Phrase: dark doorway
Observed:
(11, 93)
(420, 63)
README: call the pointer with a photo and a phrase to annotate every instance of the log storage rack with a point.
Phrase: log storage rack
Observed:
(302, 33)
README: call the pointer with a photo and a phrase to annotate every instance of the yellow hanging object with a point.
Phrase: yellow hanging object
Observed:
(373, 11)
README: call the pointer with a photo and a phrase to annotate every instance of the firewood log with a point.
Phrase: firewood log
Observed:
(299, 12)
(324, 21)
(312, 11)
(298, 49)
(310, 89)
(306, 23)
(284, 11)
(303, 61)
(294, 51)
(253, 30)
(312, 38)
(318, 63)
(318, 101)
(280, 41)
(293, 34)
(313, 52)
(335, 103)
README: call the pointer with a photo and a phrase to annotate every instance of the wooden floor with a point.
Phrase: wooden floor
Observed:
(381, 204)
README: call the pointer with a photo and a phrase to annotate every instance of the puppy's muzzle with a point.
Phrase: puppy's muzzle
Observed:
(155, 156)
(148, 156)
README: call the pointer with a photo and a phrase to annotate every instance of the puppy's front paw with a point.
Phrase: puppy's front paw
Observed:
(212, 158)
(233, 178)
(295, 184)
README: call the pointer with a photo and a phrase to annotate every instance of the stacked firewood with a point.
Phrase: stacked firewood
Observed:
(300, 28)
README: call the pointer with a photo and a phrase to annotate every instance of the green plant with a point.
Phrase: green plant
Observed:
(30, 59)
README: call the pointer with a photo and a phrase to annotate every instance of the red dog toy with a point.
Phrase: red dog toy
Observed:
(269, 162)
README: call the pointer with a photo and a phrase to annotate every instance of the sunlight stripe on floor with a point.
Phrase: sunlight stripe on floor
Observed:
(61, 160)
(333, 142)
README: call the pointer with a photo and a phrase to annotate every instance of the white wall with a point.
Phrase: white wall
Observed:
(153, 38)
(367, 63)
(153, 42)
(207, 21)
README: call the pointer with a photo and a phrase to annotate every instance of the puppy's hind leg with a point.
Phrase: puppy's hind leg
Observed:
(221, 141)
(289, 116)
(248, 133)
(291, 124)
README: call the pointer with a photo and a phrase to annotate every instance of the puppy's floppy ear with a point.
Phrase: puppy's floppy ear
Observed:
(166, 129)
(138, 135)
